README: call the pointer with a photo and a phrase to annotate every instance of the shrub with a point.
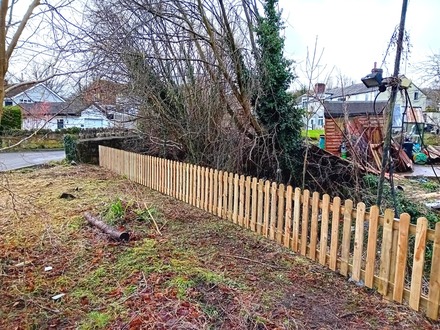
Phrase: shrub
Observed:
(70, 147)
(11, 118)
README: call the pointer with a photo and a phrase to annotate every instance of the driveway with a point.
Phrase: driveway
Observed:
(15, 160)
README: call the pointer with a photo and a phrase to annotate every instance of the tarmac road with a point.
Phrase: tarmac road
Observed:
(16, 160)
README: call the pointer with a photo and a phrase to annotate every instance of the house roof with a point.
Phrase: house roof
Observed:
(336, 108)
(15, 89)
(349, 90)
(50, 109)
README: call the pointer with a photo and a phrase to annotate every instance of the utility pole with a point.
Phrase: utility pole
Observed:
(389, 119)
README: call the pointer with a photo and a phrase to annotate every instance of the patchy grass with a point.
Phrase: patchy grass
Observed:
(312, 133)
(182, 269)
(431, 139)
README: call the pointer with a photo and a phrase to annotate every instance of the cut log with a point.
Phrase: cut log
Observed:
(109, 230)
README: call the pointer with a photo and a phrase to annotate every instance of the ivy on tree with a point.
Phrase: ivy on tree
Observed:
(275, 105)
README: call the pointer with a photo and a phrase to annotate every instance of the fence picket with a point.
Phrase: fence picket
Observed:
(236, 197)
(385, 256)
(212, 192)
(371, 246)
(241, 201)
(220, 193)
(402, 255)
(314, 225)
(254, 205)
(247, 203)
(434, 278)
(260, 206)
(305, 221)
(266, 208)
(225, 209)
(346, 237)
(230, 196)
(358, 242)
(280, 214)
(418, 263)
(296, 219)
(213, 175)
(288, 220)
(324, 229)
(273, 210)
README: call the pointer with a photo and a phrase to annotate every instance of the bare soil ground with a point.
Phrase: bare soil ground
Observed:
(183, 268)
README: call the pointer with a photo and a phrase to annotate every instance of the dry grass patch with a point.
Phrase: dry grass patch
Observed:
(183, 269)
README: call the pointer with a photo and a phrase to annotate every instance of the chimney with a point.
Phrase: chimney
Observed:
(319, 88)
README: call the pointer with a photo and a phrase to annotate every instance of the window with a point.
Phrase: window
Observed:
(321, 121)
(8, 103)
(416, 96)
(60, 123)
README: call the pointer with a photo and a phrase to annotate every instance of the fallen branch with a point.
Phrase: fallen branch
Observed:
(112, 232)
(154, 221)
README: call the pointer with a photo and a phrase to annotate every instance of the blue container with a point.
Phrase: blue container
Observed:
(322, 141)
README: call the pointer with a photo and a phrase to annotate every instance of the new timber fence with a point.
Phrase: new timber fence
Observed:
(375, 250)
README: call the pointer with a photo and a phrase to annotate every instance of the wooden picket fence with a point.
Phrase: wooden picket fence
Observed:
(377, 250)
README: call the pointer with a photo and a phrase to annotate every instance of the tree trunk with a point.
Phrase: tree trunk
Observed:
(112, 232)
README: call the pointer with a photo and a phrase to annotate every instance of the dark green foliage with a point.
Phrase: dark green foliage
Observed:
(70, 147)
(275, 105)
(11, 118)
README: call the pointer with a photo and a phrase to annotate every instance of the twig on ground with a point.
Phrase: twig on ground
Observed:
(152, 218)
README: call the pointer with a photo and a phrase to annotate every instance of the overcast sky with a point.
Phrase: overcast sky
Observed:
(355, 33)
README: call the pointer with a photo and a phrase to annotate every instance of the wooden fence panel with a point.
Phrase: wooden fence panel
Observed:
(301, 222)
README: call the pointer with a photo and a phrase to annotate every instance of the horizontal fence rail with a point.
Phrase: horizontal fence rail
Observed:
(399, 259)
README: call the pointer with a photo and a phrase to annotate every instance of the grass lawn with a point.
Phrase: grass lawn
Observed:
(312, 133)
(182, 268)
